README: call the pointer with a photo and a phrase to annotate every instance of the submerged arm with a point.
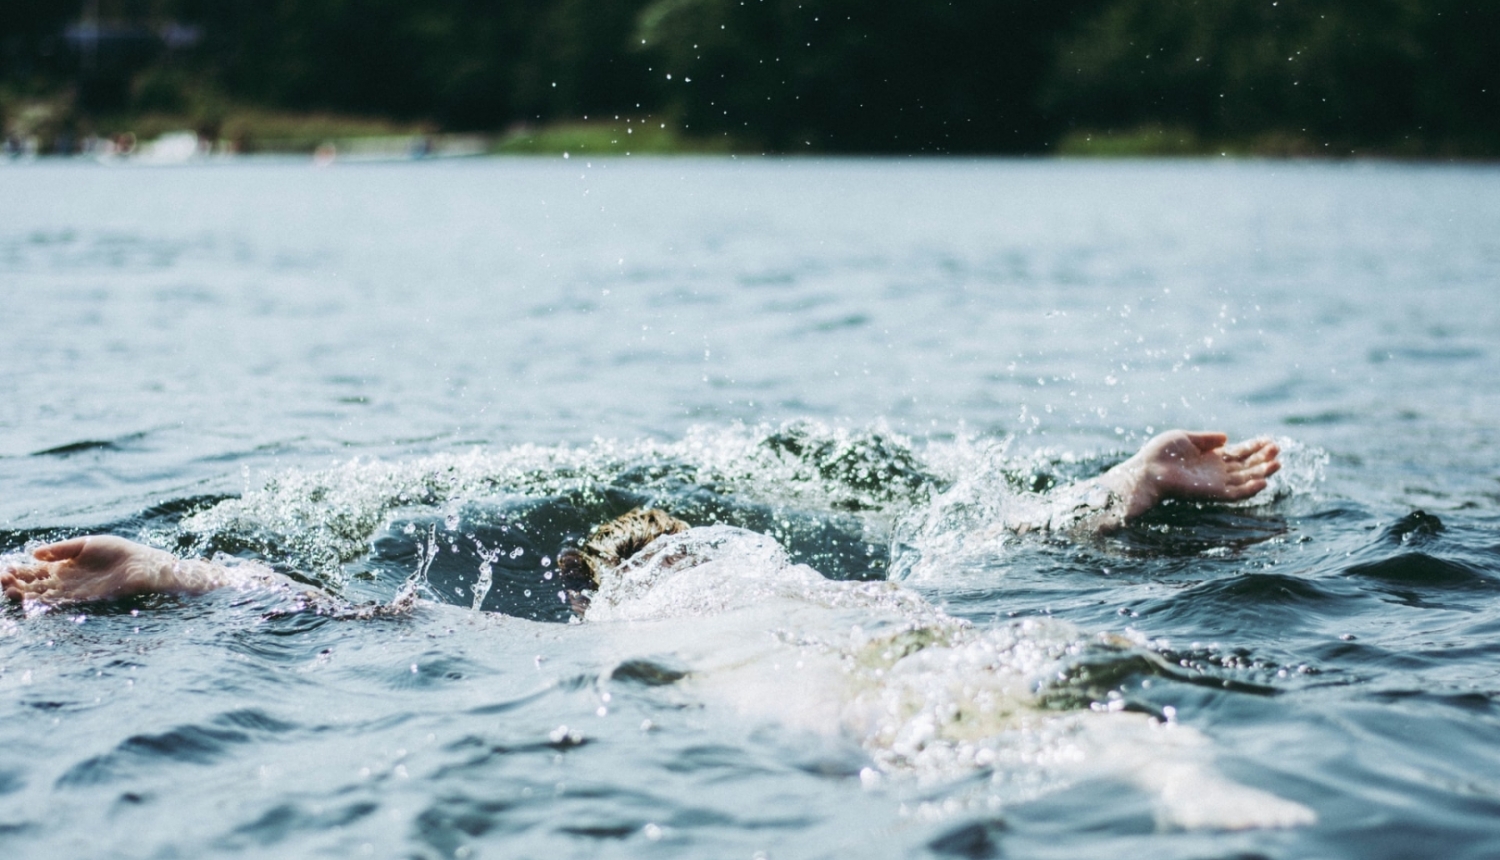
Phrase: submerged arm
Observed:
(104, 567)
(1177, 464)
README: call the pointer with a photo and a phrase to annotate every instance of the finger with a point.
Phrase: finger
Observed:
(1248, 449)
(20, 575)
(62, 550)
(21, 585)
(1259, 459)
(1242, 472)
(1265, 450)
(1263, 469)
(1247, 489)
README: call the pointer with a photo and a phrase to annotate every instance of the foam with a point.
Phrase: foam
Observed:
(928, 696)
(321, 519)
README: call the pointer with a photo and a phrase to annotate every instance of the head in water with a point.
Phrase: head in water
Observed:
(610, 545)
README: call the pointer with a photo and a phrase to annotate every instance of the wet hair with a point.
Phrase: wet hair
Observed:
(609, 546)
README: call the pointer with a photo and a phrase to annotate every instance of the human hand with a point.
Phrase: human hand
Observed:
(1198, 466)
(98, 567)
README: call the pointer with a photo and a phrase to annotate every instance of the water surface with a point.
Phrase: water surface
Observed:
(371, 372)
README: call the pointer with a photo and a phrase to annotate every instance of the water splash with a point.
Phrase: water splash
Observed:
(853, 504)
(319, 520)
(928, 696)
(987, 488)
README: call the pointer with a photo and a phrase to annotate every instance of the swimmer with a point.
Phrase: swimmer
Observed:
(1177, 464)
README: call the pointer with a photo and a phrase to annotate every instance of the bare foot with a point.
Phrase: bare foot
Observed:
(100, 567)
(1199, 466)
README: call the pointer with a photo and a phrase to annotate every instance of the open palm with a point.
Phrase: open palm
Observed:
(100, 567)
(1197, 465)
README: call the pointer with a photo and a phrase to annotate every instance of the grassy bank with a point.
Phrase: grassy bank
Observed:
(1158, 141)
(607, 137)
(52, 125)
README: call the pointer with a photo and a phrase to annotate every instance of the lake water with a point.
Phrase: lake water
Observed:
(373, 375)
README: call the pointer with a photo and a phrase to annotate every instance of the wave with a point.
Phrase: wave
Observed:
(928, 696)
(757, 627)
(755, 476)
(853, 504)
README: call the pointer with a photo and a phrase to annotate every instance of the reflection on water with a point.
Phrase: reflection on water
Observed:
(454, 370)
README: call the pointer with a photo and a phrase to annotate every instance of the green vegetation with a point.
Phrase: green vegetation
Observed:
(621, 137)
(1403, 77)
(1145, 141)
(1085, 77)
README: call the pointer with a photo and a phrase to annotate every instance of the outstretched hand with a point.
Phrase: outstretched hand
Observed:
(1196, 466)
(99, 567)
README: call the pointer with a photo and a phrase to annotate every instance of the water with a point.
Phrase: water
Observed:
(370, 375)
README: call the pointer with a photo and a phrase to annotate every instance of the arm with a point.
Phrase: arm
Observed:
(1177, 464)
(103, 567)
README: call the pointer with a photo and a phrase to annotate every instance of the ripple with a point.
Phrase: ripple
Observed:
(1264, 599)
(1426, 571)
(285, 820)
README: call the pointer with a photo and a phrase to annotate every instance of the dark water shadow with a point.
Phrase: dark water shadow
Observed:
(1420, 562)
(1189, 529)
(190, 744)
(119, 443)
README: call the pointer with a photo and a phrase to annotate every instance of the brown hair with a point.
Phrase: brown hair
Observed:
(612, 543)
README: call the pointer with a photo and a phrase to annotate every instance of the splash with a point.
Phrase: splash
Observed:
(1303, 469)
(989, 494)
(859, 504)
(929, 697)
(320, 520)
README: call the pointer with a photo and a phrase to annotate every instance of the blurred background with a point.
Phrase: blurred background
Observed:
(1405, 78)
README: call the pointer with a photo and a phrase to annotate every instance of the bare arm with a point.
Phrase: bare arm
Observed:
(1177, 464)
(104, 567)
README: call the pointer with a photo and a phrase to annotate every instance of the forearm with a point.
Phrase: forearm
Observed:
(105, 567)
(1177, 464)
(188, 577)
(1094, 505)
(1130, 482)
(194, 576)
(1100, 504)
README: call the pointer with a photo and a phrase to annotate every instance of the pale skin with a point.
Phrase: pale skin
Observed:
(1177, 464)
(1192, 466)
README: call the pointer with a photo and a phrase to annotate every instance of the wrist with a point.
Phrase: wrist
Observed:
(163, 572)
(1131, 481)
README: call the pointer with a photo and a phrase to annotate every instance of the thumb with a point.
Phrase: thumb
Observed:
(1207, 441)
(61, 551)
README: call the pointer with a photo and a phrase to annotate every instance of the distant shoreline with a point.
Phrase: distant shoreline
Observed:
(168, 138)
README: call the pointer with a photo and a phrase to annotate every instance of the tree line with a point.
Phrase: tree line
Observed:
(947, 76)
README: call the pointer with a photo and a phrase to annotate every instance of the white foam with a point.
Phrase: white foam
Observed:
(929, 697)
(320, 519)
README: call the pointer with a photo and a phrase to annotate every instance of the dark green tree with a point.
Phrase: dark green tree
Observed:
(1383, 73)
(861, 75)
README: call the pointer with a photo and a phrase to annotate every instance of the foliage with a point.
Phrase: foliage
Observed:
(602, 138)
(1401, 75)
(862, 75)
(1147, 76)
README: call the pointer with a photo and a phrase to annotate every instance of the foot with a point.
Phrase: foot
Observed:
(100, 567)
(1195, 466)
